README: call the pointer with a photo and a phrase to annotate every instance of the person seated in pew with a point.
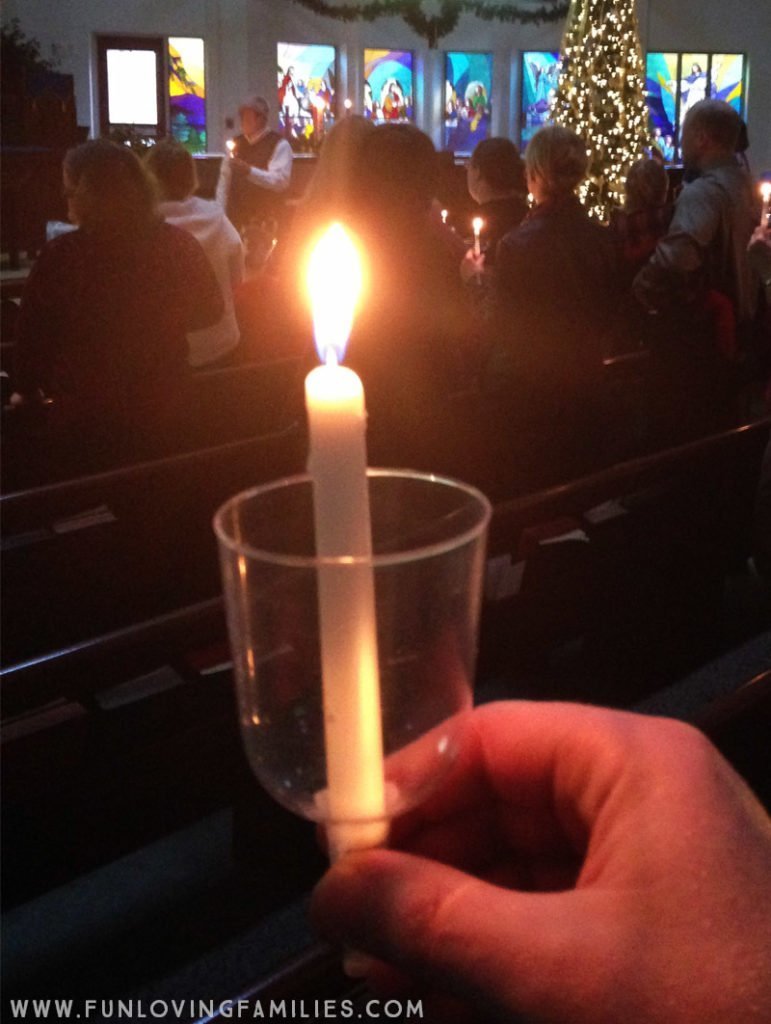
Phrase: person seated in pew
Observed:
(408, 335)
(578, 865)
(496, 182)
(270, 303)
(554, 321)
(173, 168)
(104, 318)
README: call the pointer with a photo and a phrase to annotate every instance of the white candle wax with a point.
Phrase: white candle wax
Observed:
(478, 224)
(337, 463)
(765, 193)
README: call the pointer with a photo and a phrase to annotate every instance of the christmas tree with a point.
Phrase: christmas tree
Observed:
(600, 95)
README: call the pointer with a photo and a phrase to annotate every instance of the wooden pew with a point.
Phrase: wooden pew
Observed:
(117, 740)
(216, 406)
(626, 566)
(575, 596)
(86, 556)
(120, 740)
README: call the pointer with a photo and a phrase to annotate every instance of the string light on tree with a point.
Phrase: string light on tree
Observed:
(601, 96)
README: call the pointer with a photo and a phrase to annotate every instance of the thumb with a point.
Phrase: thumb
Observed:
(467, 937)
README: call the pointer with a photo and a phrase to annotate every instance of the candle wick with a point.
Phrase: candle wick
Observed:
(330, 356)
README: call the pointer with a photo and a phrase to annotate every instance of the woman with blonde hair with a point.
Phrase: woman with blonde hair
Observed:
(555, 304)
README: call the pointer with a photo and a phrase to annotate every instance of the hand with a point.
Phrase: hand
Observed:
(580, 865)
(472, 266)
(761, 237)
(240, 168)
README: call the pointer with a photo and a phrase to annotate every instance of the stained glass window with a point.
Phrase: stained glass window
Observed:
(388, 85)
(187, 93)
(307, 87)
(675, 81)
(540, 73)
(467, 101)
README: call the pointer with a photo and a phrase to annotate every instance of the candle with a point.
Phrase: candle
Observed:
(477, 224)
(231, 147)
(337, 463)
(765, 193)
(445, 214)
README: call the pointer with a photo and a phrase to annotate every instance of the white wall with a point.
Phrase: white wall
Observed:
(241, 36)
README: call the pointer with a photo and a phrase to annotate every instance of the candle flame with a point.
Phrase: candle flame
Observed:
(765, 191)
(335, 280)
(477, 223)
(444, 216)
(230, 144)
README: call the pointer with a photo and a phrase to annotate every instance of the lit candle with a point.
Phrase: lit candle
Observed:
(231, 147)
(348, 104)
(477, 224)
(765, 194)
(445, 214)
(337, 463)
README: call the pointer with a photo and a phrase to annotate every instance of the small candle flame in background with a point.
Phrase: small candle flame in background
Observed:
(335, 282)
(348, 104)
(231, 147)
(445, 214)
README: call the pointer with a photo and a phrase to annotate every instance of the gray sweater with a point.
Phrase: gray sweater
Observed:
(706, 243)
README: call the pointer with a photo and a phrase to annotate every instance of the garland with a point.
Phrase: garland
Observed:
(434, 27)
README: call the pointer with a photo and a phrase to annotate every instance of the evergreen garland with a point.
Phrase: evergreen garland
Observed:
(434, 27)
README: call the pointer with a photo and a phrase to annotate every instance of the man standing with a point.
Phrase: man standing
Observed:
(699, 279)
(706, 245)
(258, 170)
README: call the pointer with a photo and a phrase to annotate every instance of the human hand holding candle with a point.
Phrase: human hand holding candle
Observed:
(477, 223)
(337, 464)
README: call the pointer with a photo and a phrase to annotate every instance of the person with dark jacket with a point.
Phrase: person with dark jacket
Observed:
(102, 329)
(556, 298)
(496, 181)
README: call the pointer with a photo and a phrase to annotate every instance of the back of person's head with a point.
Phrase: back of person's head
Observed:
(401, 169)
(499, 164)
(558, 157)
(717, 121)
(647, 185)
(110, 186)
(337, 181)
(173, 168)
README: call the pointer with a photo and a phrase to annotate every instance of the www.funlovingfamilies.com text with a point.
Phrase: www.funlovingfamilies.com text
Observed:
(201, 1009)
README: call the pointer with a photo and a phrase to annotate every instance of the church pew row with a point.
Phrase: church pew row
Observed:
(87, 556)
(219, 406)
(599, 590)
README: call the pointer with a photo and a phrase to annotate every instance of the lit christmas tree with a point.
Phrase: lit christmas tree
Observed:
(601, 95)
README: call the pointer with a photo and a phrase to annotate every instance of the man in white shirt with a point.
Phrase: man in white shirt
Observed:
(258, 170)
